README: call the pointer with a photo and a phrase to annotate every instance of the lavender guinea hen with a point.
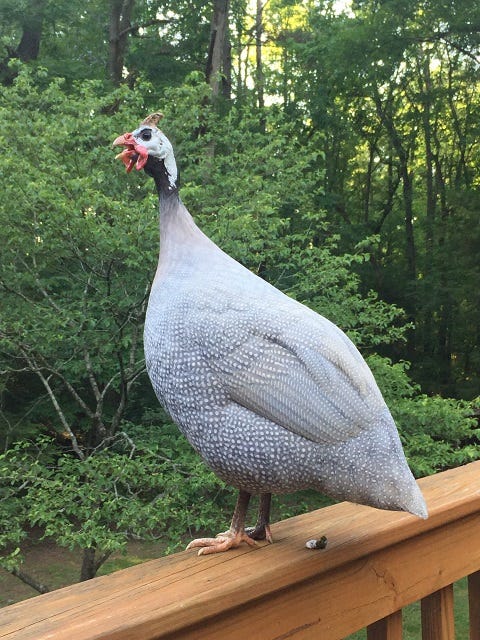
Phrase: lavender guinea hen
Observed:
(273, 396)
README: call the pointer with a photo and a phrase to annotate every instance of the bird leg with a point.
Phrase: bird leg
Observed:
(231, 538)
(261, 531)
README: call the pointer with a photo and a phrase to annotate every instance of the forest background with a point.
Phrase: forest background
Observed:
(332, 148)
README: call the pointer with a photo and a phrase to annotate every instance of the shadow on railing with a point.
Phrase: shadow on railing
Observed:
(376, 563)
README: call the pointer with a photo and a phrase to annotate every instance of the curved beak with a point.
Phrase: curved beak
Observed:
(124, 140)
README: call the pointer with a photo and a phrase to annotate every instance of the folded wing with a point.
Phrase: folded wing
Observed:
(307, 377)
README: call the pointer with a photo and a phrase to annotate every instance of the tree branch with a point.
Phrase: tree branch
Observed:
(16, 293)
(42, 289)
(103, 558)
(73, 393)
(134, 28)
(446, 35)
(136, 329)
(27, 579)
(53, 399)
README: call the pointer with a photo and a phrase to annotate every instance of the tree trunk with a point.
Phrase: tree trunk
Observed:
(407, 183)
(393, 180)
(119, 28)
(91, 564)
(427, 133)
(218, 71)
(368, 180)
(87, 572)
(410, 250)
(425, 86)
(446, 307)
(227, 66)
(29, 46)
(258, 55)
(462, 171)
(240, 85)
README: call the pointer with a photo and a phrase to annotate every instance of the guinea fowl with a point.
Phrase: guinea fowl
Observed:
(273, 396)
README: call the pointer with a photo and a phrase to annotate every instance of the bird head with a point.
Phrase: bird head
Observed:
(147, 141)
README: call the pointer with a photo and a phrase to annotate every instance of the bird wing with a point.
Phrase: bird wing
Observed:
(306, 376)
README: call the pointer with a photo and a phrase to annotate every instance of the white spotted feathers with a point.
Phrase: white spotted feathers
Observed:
(273, 396)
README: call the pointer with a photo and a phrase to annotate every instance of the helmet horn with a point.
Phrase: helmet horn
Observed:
(153, 119)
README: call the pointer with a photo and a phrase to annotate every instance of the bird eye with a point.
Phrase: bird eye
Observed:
(146, 135)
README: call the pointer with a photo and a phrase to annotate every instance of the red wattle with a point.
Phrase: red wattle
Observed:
(142, 156)
(128, 157)
(135, 155)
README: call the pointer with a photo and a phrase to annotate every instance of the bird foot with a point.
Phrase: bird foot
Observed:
(222, 542)
(260, 532)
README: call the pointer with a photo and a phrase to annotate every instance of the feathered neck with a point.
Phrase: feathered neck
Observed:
(179, 235)
(164, 179)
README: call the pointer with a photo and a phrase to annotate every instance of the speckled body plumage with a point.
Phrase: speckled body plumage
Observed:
(273, 396)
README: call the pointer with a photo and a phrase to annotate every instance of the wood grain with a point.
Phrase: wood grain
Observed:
(437, 615)
(389, 628)
(474, 605)
(375, 563)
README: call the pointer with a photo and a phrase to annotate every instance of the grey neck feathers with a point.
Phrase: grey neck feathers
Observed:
(178, 232)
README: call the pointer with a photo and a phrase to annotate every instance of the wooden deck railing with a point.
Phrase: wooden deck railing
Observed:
(375, 564)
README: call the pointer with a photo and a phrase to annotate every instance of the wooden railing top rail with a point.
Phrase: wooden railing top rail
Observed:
(375, 563)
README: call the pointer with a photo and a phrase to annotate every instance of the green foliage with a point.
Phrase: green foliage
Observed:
(393, 86)
(76, 259)
(386, 93)
(86, 460)
(437, 433)
(171, 47)
(157, 490)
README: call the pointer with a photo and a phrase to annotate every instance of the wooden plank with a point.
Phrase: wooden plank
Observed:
(355, 595)
(375, 563)
(474, 604)
(437, 615)
(389, 628)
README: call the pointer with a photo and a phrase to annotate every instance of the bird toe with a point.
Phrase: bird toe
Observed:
(222, 542)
